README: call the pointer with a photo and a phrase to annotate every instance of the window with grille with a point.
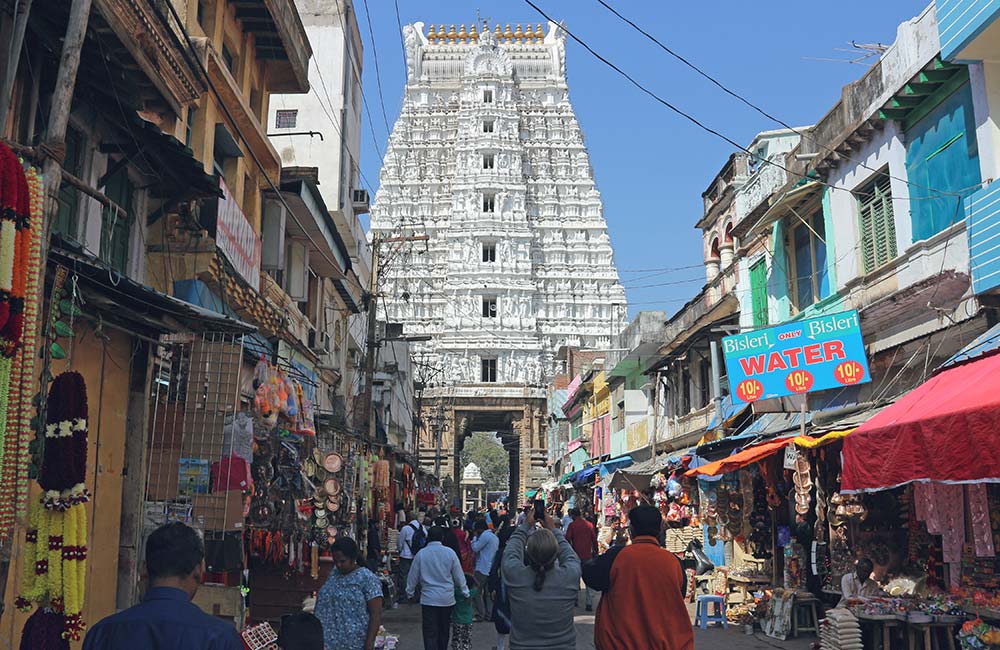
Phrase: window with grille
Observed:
(487, 96)
(488, 161)
(489, 202)
(489, 251)
(488, 125)
(489, 306)
(876, 222)
(286, 119)
(488, 371)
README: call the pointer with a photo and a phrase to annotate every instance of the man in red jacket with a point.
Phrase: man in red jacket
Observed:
(643, 603)
(583, 538)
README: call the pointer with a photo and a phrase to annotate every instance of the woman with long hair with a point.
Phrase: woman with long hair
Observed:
(349, 605)
(542, 576)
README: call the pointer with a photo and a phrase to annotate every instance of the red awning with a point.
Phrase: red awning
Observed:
(947, 429)
(740, 459)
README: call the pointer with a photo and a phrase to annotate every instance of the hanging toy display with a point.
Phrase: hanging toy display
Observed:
(20, 217)
(55, 550)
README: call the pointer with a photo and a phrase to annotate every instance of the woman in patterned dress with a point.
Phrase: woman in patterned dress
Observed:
(349, 605)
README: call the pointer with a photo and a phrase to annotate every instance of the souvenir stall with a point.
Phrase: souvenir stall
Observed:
(754, 505)
(299, 500)
(932, 460)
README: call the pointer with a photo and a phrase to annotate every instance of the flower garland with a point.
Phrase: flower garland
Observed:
(64, 466)
(74, 557)
(11, 177)
(16, 412)
(35, 573)
(26, 375)
(55, 562)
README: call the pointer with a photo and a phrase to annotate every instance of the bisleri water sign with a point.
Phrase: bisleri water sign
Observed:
(795, 358)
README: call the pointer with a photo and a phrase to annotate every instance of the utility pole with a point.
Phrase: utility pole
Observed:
(371, 342)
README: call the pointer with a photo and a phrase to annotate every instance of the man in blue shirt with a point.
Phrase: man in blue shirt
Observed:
(485, 546)
(166, 619)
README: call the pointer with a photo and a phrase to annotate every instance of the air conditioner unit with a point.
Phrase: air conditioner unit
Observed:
(359, 201)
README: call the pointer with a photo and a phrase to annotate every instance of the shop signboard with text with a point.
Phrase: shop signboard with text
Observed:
(795, 358)
(236, 238)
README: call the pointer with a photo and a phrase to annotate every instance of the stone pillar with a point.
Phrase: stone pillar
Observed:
(711, 268)
(726, 255)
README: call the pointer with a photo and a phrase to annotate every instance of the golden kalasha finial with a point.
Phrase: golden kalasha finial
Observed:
(498, 33)
(462, 34)
(529, 34)
(432, 35)
(473, 34)
(507, 34)
(539, 32)
(518, 34)
(452, 35)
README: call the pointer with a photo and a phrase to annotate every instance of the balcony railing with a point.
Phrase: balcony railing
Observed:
(760, 186)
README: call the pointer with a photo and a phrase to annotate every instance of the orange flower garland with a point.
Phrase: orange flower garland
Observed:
(20, 202)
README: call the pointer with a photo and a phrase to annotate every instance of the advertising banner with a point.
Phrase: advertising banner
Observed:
(236, 238)
(795, 358)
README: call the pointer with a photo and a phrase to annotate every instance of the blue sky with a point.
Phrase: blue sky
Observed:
(650, 164)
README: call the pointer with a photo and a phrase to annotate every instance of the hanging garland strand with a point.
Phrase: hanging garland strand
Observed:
(17, 365)
(57, 536)
(26, 377)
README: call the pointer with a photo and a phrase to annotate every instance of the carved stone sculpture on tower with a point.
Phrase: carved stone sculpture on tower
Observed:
(462, 101)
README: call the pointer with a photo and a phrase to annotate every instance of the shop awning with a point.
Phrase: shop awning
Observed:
(609, 467)
(985, 343)
(795, 201)
(740, 459)
(730, 411)
(586, 473)
(565, 478)
(947, 429)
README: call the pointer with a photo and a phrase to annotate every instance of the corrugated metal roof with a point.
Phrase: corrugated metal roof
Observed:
(987, 343)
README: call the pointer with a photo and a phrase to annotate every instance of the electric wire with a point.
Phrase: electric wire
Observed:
(687, 116)
(229, 116)
(804, 135)
(378, 73)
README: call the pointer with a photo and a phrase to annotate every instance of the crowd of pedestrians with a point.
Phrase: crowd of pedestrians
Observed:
(523, 576)
(527, 575)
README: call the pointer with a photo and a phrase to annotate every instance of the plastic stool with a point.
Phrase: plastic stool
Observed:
(703, 618)
(805, 618)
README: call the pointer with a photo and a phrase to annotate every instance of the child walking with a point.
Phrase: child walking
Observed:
(461, 616)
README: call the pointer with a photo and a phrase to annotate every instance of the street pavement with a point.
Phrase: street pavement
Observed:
(405, 622)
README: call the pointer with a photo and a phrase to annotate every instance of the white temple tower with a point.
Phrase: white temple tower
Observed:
(487, 159)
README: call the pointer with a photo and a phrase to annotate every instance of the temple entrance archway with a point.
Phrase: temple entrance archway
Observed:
(518, 421)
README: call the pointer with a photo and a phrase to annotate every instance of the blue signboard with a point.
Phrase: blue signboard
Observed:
(795, 358)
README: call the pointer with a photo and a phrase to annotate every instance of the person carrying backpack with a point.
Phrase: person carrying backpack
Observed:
(412, 538)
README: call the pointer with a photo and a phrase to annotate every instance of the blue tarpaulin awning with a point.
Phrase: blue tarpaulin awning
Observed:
(609, 467)
(585, 474)
(729, 411)
(986, 343)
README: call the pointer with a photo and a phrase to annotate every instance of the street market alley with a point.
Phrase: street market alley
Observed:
(405, 622)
